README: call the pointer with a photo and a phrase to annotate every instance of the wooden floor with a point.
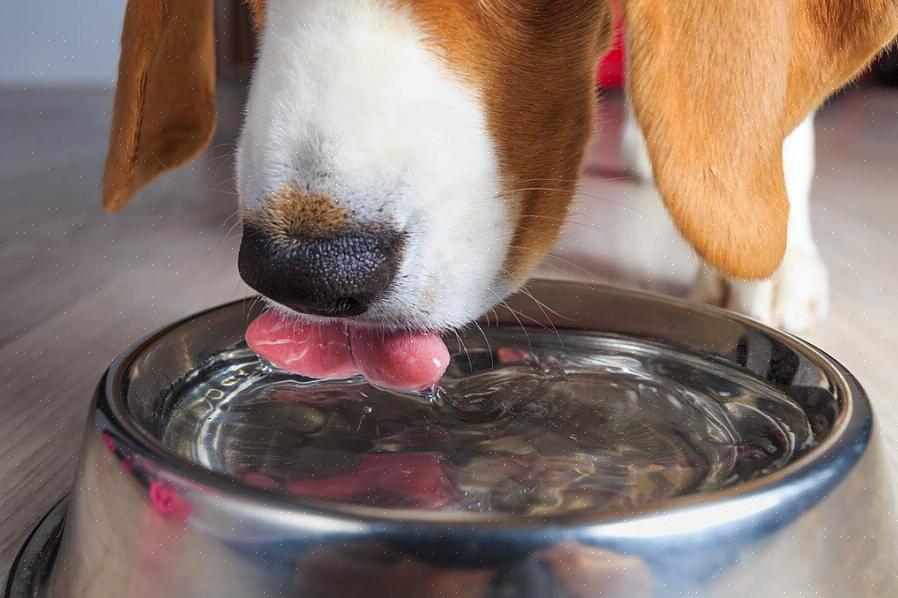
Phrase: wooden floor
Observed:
(79, 285)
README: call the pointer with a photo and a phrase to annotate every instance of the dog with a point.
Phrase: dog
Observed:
(427, 150)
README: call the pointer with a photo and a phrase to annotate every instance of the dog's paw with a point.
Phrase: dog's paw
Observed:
(795, 298)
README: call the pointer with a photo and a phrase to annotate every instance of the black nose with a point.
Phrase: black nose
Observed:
(337, 275)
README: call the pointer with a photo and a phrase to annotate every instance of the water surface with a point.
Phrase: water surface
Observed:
(536, 425)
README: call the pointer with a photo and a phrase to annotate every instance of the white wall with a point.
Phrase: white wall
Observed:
(52, 42)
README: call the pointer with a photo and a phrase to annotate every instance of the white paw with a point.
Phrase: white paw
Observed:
(795, 298)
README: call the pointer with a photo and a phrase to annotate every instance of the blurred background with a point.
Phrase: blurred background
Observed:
(79, 285)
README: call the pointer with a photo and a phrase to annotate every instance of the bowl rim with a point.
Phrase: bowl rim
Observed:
(806, 480)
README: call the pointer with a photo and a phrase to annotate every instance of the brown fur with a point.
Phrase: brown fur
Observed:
(164, 111)
(832, 41)
(716, 87)
(290, 211)
(533, 62)
(257, 8)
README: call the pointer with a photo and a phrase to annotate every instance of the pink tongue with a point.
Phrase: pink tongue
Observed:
(399, 360)
(307, 349)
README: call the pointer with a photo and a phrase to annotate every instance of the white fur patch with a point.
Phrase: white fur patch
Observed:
(347, 100)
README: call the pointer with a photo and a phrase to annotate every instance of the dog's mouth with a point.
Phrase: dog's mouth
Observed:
(332, 350)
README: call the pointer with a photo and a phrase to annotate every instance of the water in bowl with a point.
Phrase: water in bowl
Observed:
(536, 425)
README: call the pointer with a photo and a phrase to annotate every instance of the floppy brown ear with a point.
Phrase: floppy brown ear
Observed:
(716, 87)
(164, 111)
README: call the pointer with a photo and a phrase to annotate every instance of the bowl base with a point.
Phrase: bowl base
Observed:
(31, 569)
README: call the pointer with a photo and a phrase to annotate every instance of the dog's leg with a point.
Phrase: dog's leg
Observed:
(796, 297)
(634, 156)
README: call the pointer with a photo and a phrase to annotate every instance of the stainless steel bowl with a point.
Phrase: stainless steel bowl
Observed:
(142, 521)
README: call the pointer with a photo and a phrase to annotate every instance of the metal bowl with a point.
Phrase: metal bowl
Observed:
(143, 521)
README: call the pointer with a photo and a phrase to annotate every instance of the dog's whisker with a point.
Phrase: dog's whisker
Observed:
(223, 145)
(231, 184)
(235, 214)
(577, 267)
(591, 195)
(546, 189)
(565, 224)
(217, 161)
(514, 314)
(252, 304)
(578, 193)
(462, 347)
(553, 256)
(565, 261)
(486, 340)
(544, 309)
(495, 314)
(517, 316)
(576, 179)
(234, 226)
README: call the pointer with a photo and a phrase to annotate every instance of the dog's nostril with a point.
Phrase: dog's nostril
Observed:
(338, 275)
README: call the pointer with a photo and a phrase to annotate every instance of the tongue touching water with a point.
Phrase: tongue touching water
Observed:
(520, 426)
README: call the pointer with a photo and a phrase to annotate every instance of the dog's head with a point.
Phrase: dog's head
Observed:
(408, 162)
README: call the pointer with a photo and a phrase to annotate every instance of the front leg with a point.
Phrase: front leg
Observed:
(796, 297)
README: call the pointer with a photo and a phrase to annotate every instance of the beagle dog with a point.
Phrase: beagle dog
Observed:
(405, 164)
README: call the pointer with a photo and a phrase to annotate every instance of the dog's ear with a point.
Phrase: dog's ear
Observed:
(164, 112)
(716, 87)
